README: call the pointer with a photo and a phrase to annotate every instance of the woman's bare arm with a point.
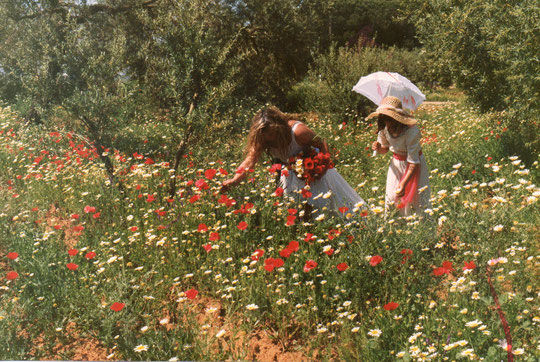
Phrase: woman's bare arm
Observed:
(400, 191)
(249, 162)
(306, 137)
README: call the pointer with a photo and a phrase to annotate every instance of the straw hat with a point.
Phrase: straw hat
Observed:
(391, 106)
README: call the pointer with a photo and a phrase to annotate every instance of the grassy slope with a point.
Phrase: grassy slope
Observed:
(149, 253)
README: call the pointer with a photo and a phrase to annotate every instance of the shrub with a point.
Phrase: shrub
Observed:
(328, 86)
(491, 50)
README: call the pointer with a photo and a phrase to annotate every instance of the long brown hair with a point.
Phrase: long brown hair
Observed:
(270, 120)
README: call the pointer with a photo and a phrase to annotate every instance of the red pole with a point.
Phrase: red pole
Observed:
(503, 319)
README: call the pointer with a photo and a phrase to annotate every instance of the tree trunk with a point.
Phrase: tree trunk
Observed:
(178, 157)
(98, 142)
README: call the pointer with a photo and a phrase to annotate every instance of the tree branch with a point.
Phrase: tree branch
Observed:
(85, 11)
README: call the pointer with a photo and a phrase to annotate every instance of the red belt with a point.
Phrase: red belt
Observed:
(399, 157)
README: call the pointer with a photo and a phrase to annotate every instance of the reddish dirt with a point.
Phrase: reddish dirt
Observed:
(55, 222)
(77, 349)
(257, 345)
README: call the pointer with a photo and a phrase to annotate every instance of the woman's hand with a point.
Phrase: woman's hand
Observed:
(376, 146)
(226, 185)
(400, 191)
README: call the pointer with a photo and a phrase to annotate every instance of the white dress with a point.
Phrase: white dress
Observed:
(407, 146)
(329, 193)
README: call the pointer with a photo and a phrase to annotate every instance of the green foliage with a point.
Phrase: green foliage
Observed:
(328, 85)
(491, 49)
(347, 22)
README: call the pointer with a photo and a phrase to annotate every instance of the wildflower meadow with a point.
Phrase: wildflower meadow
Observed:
(96, 271)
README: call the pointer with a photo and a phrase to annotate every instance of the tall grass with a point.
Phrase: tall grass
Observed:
(152, 252)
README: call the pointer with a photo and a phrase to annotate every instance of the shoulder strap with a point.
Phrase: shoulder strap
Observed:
(294, 125)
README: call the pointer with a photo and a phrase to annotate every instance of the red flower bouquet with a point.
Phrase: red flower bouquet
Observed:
(310, 165)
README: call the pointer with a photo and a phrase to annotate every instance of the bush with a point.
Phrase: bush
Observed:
(328, 86)
(491, 50)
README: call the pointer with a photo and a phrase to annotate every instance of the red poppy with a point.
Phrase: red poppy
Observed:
(278, 263)
(257, 254)
(207, 247)
(271, 263)
(290, 220)
(210, 173)
(329, 252)
(292, 211)
(275, 167)
(194, 198)
(285, 253)
(78, 228)
(57, 227)
(72, 266)
(150, 198)
(191, 294)
(285, 173)
(306, 194)
(439, 271)
(223, 199)
(74, 216)
(161, 212)
(96, 215)
(13, 255)
(279, 192)
(90, 255)
(12, 275)
(34, 209)
(214, 236)
(223, 172)
(343, 209)
(448, 266)
(308, 163)
(133, 228)
(202, 228)
(89, 209)
(117, 307)
(201, 184)
(376, 259)
(309, 237)
(445, 269)
(242, 225)
(149, 161)
(469, 265)
(294, 245)
(342, 266)
(73, 252)
(310, 264)
(391, 306)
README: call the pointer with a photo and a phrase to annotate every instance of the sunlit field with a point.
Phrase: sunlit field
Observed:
(91, 270)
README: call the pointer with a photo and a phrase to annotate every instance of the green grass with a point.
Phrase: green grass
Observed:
(149, 253)
(439, 94)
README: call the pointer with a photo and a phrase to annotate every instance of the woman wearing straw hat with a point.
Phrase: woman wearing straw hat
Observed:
(407, 182)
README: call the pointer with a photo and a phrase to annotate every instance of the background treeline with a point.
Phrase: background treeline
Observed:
(161, 74)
